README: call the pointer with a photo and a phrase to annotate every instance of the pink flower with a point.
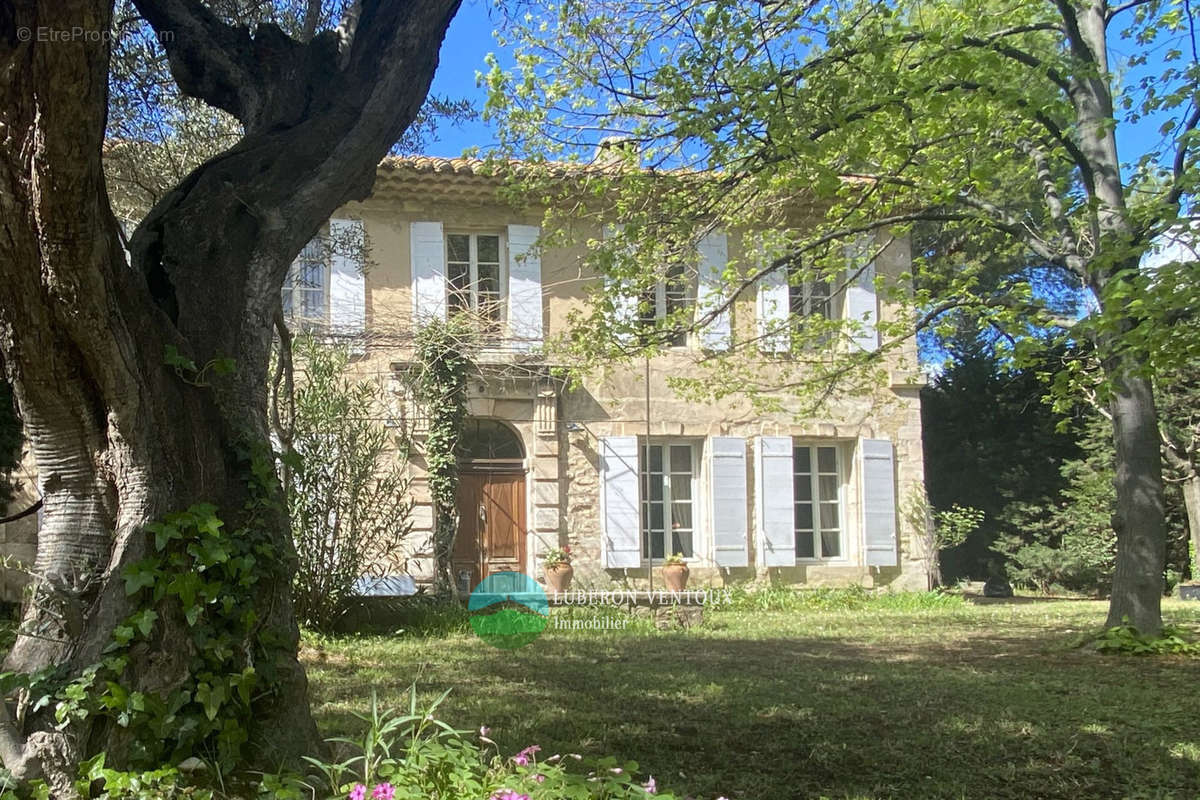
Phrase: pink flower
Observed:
(484, 731)
(507, 794)
(359, 792)
(525, 756)
(651, 786)
(384, 791)
(539, 778)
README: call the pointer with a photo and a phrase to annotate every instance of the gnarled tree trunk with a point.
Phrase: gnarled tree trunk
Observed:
(121, 437)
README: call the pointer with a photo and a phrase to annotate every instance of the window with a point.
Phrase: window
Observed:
(663, 300)
(473, 274)
(305, 289)
(668, 484)
(809, 298)
(817, 486)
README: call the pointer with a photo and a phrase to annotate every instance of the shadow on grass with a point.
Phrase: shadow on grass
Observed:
(989, 716)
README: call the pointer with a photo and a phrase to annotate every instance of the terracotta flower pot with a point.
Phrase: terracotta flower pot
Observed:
(558, 577)
(676, 576)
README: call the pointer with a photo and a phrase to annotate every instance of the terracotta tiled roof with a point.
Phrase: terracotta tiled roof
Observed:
(434, 164)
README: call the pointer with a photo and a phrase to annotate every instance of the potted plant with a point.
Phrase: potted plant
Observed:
(675, 572)
(556, 564)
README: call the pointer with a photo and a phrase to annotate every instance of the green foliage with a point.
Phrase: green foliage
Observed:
(1125, 640)
(206, 579)
(439, 385)
(988, 460)
(781, 598)
(347, 494)
(419, 756)
(159, 784)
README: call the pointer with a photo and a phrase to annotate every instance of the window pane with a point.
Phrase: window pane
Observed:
(681, 458)
(829, 516)
(657, 539)
(457, 280)
(681, 487)
(804, 546)
(656, 487)
(656, 458)
(489, 249)
(802, 486)
(681, 542)
(801, 459)
(458, 247)
(656, 516)
(804, 516)
(681, 515)
(831, 544)
(827, 459)
(828, 486)
(796, 299)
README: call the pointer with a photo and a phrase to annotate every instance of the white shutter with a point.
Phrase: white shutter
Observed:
(775, 502)
(714, 257)
(624, 302)
(861, 305)
(620, 503)
(772, 309)
(879, 502)
(347, 282)
(727, 473)
(524, 287)
(428, 271)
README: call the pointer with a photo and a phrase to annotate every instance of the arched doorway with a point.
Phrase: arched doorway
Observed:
(491, 503)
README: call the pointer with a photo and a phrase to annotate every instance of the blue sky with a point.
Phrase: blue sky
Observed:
(470, 39)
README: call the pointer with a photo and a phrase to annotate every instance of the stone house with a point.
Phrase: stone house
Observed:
(623, 472)
(619, 468)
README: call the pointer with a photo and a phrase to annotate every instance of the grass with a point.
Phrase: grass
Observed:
(829, 694)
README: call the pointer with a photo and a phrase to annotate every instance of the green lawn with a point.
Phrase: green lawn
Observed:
(965, 701)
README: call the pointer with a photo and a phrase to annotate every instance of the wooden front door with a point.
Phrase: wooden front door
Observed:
(491, 526)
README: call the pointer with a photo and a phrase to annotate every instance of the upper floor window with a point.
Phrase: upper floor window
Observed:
(809, 298)
(817, 487)
(306, 287)
(664, 300)
(668, 511)
(473, 274)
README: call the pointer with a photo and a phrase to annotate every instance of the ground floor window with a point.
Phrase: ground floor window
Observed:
(668, 506)
(817, 482)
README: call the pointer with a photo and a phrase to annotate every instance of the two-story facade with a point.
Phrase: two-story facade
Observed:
(619, 468)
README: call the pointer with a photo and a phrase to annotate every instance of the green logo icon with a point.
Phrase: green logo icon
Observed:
(508, 610)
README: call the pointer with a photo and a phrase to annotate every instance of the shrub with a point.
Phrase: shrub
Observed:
(415, 756)
(347, 494)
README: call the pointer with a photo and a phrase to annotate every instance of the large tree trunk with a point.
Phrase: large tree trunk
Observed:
(1139, 521)
(121, 437)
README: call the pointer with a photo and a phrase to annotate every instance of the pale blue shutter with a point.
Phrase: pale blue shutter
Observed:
(620, 503)
(524, 287)
(879, 502)
(772, 309)
(727, 472)
(428, 271)
(347, 283)
(861, 303)
(710, 293)
(624, 301)
(775, 503)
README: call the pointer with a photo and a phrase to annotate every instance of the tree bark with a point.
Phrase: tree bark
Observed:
(1139, 520)
(121, 438)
